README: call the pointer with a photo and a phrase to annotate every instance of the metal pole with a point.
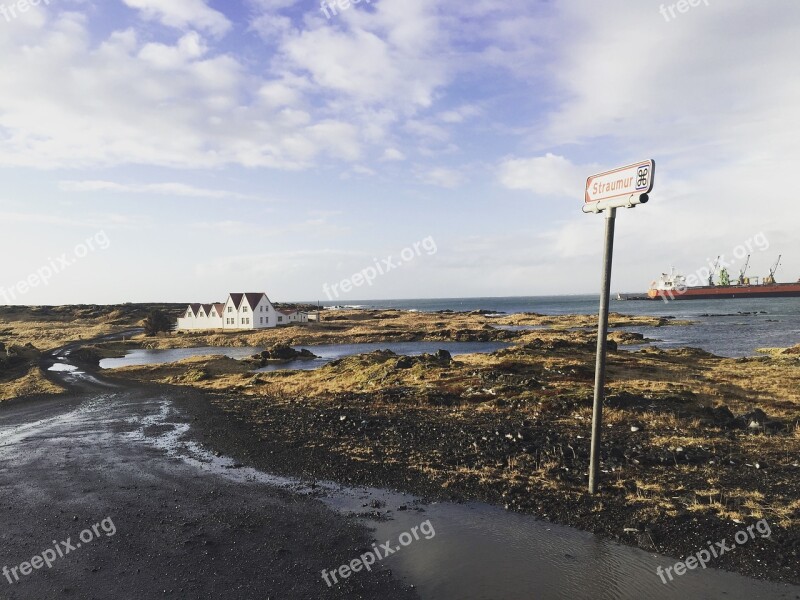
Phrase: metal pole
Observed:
(600, 365)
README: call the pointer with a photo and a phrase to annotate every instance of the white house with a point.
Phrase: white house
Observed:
(239, 311)
(292, 316)
(201, 316)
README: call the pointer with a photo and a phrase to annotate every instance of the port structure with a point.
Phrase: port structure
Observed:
(771, 277)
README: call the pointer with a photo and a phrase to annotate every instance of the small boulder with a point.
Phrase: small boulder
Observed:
(444, 357)
(723, 415)
(285, 352)
(405, 362)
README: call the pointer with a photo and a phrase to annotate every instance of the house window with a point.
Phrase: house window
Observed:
(244, 309)
(262, 320)
(280, 319)
(230, 309)
(267, 320)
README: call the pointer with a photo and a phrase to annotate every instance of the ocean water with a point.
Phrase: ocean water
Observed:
(733, 327)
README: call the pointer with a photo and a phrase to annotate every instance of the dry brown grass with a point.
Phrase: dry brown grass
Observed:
(33, 382)
(47, 335)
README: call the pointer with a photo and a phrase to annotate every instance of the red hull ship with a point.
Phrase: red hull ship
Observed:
(775, 290)
(671, 286)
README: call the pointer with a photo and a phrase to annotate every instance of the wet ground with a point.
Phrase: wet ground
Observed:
(179, 532)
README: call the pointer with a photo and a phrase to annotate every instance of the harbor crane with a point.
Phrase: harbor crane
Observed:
(713, 272)
(742, 279)
(771, 277)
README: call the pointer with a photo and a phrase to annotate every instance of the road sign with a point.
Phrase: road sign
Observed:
(606, 192)
(625, 181)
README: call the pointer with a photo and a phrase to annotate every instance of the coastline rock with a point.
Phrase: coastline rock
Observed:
(442, 358)
(284, 352)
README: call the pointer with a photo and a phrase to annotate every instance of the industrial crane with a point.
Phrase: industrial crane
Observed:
(771, 277)
(713, 272)
(742, 279)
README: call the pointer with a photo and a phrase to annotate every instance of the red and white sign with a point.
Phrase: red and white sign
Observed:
(625, 181)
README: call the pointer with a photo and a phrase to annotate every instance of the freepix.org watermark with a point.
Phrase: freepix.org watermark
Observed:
(59, 550)
(16, 9)
(378, 552)
(668, 11)
(370, 274)
(715, 550)
(329, 9)
(43, 275)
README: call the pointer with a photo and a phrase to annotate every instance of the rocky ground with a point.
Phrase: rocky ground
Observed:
(29, 332)
(695, 446)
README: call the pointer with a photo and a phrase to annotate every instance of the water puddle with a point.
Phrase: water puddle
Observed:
(64, 368)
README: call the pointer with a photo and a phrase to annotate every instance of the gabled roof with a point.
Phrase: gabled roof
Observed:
(220, 306)
(194, 308)
(253, 298)
(287, 312)
(237, 299)
(207, 308)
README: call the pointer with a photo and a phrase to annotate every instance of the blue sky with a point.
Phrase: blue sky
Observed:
(258, 145)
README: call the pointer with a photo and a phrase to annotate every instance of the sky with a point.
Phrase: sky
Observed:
(182, 150)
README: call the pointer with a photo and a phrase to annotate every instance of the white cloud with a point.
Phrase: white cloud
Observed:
(444, 177)
(667, 88)
(392, 154)
(460, 114)
(365, 80)
(183, 14)
(167, 189)
(252, 267)
(362, 170)
(154, 104)
(548, 175)
(92, 221)
(390, 54)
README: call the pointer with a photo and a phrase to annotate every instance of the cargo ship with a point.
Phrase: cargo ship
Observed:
(672, 286)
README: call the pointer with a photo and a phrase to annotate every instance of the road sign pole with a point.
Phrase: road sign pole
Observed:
(625, 187)
(602, 343)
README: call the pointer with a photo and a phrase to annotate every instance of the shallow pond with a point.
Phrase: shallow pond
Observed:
(326, 353)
